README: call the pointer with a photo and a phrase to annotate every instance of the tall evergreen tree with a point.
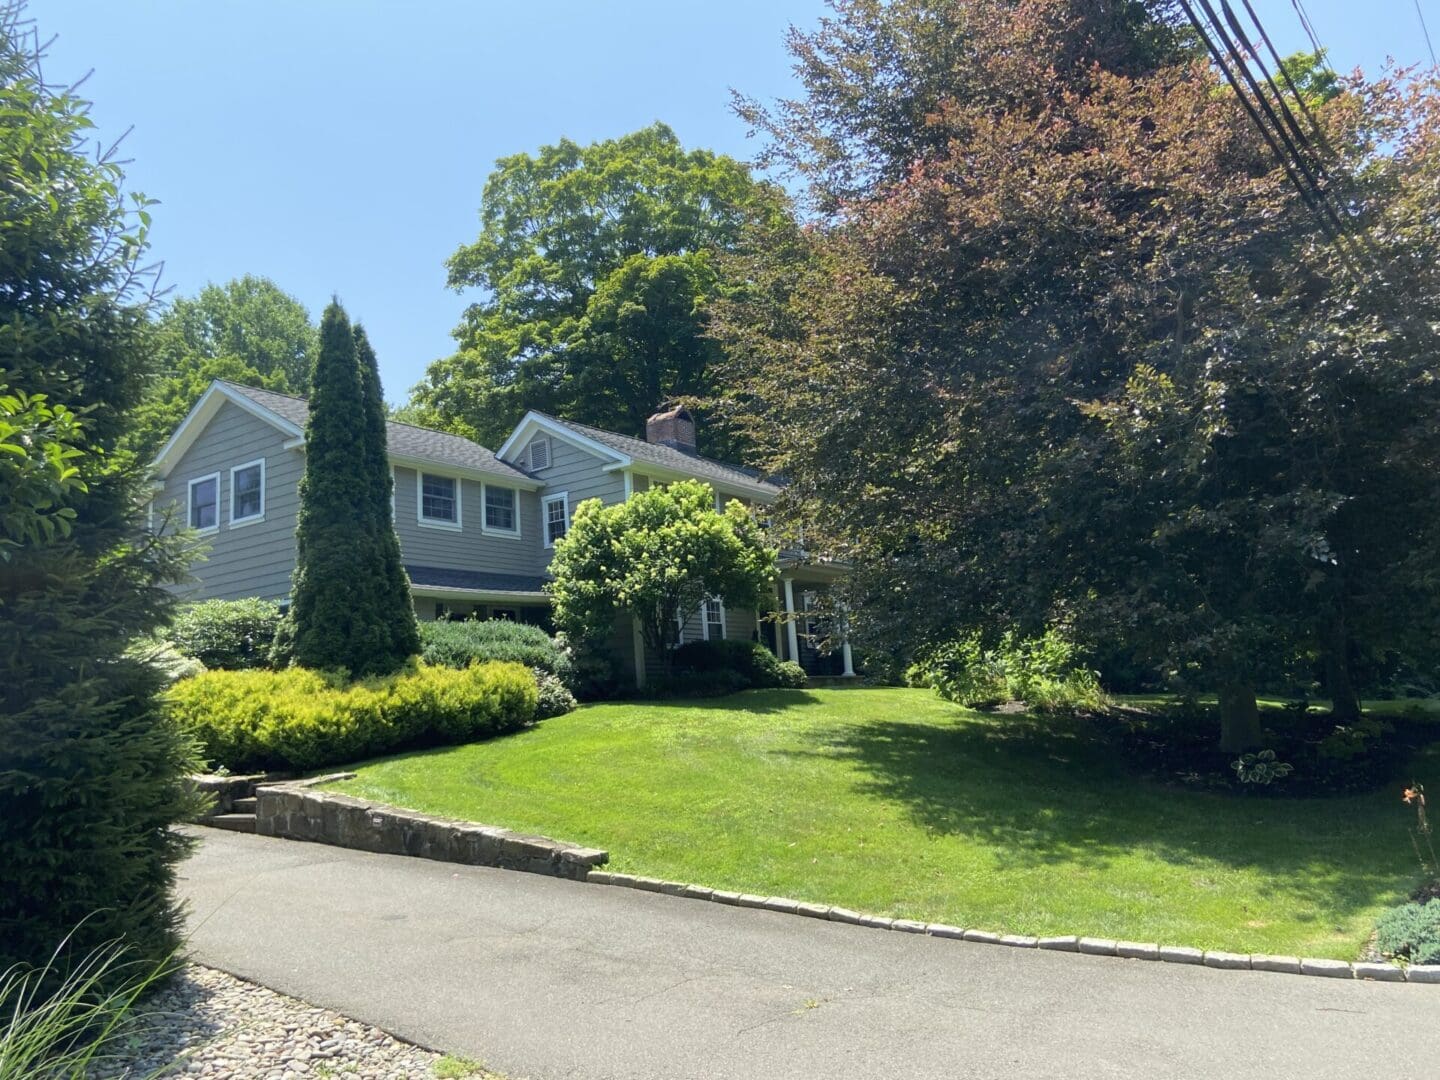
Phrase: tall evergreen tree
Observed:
(344, 592)
(401, 635)
(91, 774)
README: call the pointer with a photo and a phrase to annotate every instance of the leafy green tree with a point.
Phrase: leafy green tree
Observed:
(246, 331)
(350, 601)
(1087, 355)
(91, 773)
(656, 557)
(597, 266)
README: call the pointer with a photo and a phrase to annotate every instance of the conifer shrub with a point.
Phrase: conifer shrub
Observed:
(1411, 931)
(301, 719)
(229, 634)
(474, 641)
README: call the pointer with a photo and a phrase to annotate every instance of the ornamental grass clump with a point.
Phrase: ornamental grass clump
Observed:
(301, 719)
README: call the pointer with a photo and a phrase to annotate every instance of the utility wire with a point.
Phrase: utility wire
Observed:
(1426, 31)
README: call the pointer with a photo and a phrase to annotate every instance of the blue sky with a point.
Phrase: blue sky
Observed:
(341, 145)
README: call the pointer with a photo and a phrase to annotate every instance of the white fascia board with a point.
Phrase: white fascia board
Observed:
(481, 594)
(444, 468)
(533, 422)
(725, 487)
(201, 414)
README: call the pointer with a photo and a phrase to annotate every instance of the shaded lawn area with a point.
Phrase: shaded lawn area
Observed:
(896, 803)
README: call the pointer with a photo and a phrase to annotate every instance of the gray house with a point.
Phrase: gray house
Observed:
(477, 528)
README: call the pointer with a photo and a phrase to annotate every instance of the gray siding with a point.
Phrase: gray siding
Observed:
(251, 559)
(577, 472)
(469, 547)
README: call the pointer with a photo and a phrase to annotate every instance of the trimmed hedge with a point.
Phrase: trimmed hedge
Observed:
(714, 668)
(459, 644)
(227, 634)
(301, 719)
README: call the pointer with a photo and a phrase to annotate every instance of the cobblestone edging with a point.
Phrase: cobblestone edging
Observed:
(1132, 950)
(296, 811)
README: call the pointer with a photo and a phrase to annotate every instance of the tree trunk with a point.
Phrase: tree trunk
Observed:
(1239, 717)
(1344, 701)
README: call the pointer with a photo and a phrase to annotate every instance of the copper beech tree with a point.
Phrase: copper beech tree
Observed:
(1061, 319)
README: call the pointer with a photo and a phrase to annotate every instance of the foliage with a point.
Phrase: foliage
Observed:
(458, 643)
(1347, 741)
(597, 264)
(1076, 337)
(226, 633)
(301, 719)
(1260, 768)
(1044, 672)
(162, 656)
(1422, 836)
(67, 1017)
(838, 796)
(757, 666)
(594, 673)
(90, 774)
(247, 331)
(1411, 931)
(554, 697)
(350, 599)
(657, 555)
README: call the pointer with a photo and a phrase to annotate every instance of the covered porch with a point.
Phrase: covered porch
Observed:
(803, 629)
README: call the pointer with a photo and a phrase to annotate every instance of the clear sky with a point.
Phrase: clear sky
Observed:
(340, 146)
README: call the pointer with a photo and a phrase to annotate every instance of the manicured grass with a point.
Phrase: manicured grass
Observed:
(893, 802)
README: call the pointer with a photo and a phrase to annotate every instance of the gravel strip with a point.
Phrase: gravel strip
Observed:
(208, 1023)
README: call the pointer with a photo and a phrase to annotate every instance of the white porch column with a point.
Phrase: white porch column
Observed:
(792, 635)
(845, 641)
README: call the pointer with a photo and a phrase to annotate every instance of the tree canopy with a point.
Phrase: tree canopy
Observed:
(657, 557)
(597, 265)
(247, 331)
(1086, 352)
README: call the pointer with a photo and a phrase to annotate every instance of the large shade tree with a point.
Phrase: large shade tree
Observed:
(1065, 323)
(91, 773)
(656, 558)
(597, 264)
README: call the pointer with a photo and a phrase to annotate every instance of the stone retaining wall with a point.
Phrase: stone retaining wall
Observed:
(298, 810)
(227, 789)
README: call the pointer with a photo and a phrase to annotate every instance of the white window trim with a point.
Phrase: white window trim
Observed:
(705, 620)
(485, 527)
(436, 523)
(190, 503)
(559, 496)
(250, 519)
(530, 453)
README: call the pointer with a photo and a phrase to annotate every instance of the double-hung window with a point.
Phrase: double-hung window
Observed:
(557, 517)
(439, 500)
(205, 503)
(247, 493)
(500, 515)
(712, 618)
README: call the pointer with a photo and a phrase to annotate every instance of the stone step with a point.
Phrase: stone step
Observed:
(245, 806)
(233, 822)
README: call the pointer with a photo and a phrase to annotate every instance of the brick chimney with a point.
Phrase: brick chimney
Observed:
(673, 427)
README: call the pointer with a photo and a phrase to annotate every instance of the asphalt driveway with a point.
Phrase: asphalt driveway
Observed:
(554, 979)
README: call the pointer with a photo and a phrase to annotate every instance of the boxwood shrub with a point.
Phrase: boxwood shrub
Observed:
(300, 719)
(711, 668)
(230, 634)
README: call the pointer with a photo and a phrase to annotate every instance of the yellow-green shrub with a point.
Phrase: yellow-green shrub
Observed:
(300, 719)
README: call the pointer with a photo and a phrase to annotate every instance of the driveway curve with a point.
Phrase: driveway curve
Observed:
(551, 979)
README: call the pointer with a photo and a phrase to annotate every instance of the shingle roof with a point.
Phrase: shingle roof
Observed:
(668, 457)
(405, 440)
(435, 577)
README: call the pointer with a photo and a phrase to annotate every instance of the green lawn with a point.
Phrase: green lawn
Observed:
(896, 803)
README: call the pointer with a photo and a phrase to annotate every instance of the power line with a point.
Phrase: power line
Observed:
(1426, 31)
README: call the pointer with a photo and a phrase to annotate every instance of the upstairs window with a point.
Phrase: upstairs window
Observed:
(247, 492)
(539, 454)
(557, 517)
(205, 503)
(439, 499)
(500, 509)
